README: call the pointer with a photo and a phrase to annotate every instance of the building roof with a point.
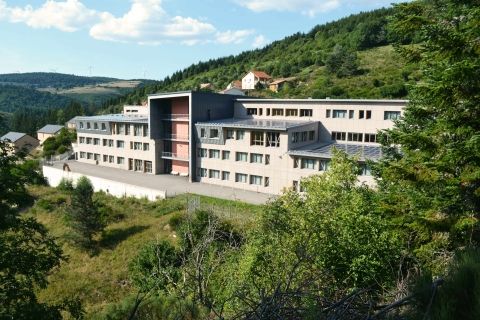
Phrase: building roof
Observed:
(233, 91)
(324, 150)
(325, 101)
(133, 118)
(256, 123)
(73, 119)
(13, 136)
(261, 74)
(50, 128)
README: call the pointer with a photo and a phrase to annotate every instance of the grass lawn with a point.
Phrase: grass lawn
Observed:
(102, 279)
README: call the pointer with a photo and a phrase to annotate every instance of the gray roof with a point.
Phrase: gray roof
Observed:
(50, 128)
(13, 136)
(327, 101)
(256, 123)
(116, 118)
(324, 150)
(73, 119)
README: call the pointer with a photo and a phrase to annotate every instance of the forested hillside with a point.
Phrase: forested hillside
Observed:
(13, 98)
(348, 58)
(50, 79)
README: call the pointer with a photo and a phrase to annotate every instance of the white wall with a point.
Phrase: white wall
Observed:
(115, 188)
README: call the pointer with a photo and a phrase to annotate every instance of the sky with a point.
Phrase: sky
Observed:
(132, 39)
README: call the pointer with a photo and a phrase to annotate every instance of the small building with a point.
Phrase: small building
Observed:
(234, 91)
(206, 86)
(135, 109)
(20, 141)
(278, 84)
(48, 131)
(250, 80)
(235, 84)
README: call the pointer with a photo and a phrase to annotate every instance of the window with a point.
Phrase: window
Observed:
(352, 136)
(308, 163)
(202, 172)
(104, 142)
(240, 134)
(80, 124)
(146, 147)
(251, 111)
(295, 185)
(88, 125)
(214, 174)
(110, 142)
(369, 114)
(267, 181)
(96, 141)
(277, 112)
(304, 135)
(82, 155)
(256, 158)
(89, 140)
(138, 130)
(96, 157)
(311, 135)
(256, 138)
(366, 170)
(260, 111)
(213, 153)
(148, 166)
(240, 177)
(95, 126)
(339, 114)
(295, 137)
(111, 159)
(104, 127)
(328, 113)
(213, 133)
(225, 175)
(338, 135)
(306, 112)
(361, 114)
(267, 159)
(241, 156)
(268, 111)
(120, 144)
(225, 154)
(351, 113)
(145, 130)
(89, 155)
(291, 112)
(105, 158)
(127, 129)
(130, 164)
(120, 160)
(137, 146)
(391, 115)
(121, 128)
(203, 133)
(81, 139)
(138, 165)
(202, 153)
(256, 180)
(370, 137)
(273, 139)
(296, 162)
(323, 165)
(230, 134)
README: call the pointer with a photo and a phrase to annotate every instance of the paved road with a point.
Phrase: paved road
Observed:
(173, 185)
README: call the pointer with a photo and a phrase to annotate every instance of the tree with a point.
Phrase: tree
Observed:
(342, 62)
(431, 183)
(83, 214)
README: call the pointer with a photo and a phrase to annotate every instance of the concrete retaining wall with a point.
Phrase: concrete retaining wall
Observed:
(115, 188)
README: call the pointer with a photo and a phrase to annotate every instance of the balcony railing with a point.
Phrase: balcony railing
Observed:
(178, 137)
(175, 117)
(174, 156)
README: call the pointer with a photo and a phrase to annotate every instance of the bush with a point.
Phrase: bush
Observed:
(176, 220)
(65, 185)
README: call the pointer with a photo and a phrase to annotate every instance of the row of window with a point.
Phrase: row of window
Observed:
(322, 165)
(354, 136)
(94, 126)
(111, 143)
(362, 114)
(280, 112)
(239, 156)
(138, 130)
(239, 177)
(106, 158)
(257, 138)
(133, 164)
(303, 136)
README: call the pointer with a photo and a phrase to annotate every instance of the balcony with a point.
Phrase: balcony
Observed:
(175, 117)
(174, 156)
(175, 137)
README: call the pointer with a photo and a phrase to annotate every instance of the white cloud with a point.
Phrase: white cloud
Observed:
(230, 36)
(307, 7)
(260, 41)
(68, 16)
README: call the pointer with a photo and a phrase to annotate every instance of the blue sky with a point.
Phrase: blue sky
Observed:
(152, 38)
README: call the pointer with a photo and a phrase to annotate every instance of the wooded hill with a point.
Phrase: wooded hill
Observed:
(50, 80)
(348, 58)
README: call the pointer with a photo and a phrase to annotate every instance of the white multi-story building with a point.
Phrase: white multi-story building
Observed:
(253, 144)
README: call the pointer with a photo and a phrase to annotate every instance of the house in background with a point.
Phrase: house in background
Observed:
(250, 80)
(233, 91)
(20, 141)
(235, 84)
(48, 131)
(278, 84)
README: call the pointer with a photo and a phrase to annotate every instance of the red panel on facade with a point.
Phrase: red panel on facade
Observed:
(180, 166)
(180, 105)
